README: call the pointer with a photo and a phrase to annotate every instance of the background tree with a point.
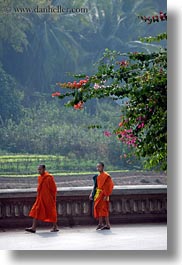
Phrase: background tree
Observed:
(58, 43)
(10, 99)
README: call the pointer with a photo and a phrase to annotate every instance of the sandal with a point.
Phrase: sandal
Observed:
(30, 230)
(99, 227)
(105, 228)
(55, 230)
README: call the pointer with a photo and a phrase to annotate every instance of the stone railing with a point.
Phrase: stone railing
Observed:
(144, 203)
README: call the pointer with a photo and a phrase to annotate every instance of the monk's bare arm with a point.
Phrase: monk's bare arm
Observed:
(91, 194)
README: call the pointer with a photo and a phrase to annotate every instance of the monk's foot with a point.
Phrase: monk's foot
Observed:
(99, 227)
(106, 227)
(55, 229)
(30, 230)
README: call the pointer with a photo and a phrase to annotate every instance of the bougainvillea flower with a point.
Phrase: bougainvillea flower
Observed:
(123, 63)
(96, 86)
(120, 124)
(79, 105)
(74, 84)
(127, 137)
(56, 94)
(107, 133)
(141, 125)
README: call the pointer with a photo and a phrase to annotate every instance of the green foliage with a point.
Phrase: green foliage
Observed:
(14, 26)
(10, 99)
(159, 37)
(27, 164)
(49, 129)
(58, 43)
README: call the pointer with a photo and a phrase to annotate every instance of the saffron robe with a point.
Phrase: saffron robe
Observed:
(44, 208)
(104, 189)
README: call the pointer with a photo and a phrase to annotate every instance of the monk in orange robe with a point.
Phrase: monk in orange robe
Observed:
(102, 190)
(44, 208)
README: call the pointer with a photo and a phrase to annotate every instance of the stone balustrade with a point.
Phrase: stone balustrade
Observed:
(141, 203)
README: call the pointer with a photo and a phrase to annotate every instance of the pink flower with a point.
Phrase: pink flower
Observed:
(133, 140)
(96, 86)
(107, 133)
(141, 125)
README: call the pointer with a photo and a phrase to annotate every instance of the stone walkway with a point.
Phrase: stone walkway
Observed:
(120, 237)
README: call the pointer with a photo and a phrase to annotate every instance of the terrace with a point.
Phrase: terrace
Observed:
(138, 214)
(120, 237)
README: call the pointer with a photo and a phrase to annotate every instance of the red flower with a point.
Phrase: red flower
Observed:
(75, 84)
(123, 63)
(79, 105)
(56, 94)
(120, 124)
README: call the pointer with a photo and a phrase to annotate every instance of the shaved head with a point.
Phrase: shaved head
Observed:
(42, 166)
(100, 167)
(41, 169)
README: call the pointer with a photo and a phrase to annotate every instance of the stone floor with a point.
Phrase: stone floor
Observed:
(120, 237)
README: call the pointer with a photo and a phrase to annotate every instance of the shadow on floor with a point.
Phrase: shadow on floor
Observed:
(47, 234)
(106, 232)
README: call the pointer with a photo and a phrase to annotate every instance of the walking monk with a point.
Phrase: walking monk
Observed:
(44, 208)
(103, 186)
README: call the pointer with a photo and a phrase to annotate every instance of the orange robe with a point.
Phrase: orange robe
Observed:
(44, 208)
(104, 188)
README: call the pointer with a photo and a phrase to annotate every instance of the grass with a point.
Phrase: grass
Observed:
(62, 173)
(25, 165)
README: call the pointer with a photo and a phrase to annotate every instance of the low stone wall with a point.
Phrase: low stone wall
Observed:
(145, 203)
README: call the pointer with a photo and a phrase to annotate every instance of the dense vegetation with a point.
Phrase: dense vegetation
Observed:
(37, 53)
(49, 130)
(26, 165)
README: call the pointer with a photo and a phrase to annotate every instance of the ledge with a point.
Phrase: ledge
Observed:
(118, 190)
(128, 204)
